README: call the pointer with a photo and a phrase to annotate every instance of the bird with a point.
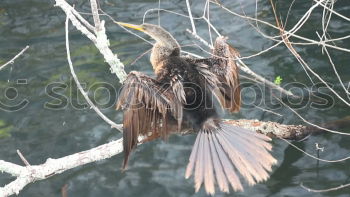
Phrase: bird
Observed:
(190, 93)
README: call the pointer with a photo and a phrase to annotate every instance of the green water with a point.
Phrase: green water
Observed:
(156, 168)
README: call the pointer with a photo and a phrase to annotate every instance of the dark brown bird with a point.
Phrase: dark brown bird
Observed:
(188, 94)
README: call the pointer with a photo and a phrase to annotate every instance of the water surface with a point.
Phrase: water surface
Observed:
(156, 168)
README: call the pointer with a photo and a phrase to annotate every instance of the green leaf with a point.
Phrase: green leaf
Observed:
(278, 80)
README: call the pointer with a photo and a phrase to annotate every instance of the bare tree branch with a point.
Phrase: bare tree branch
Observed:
(242, 66)
(23, 158)
(13, 59)
(99, 113)
(100, 39)
(190, 15)
(325, 190)
(95, 15)
(30, 174)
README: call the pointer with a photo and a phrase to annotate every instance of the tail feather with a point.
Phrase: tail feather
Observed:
(199, 168)
(227, 166)
(193, 158)
(249, 136)
(253, 137)
(220, 152)
(261, 163)
(247, 158)
(208, 167)
(265, 159)
(237, 159)
(218, 168)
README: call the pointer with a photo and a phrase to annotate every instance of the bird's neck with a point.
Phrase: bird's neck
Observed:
(166, 40)
(162, 50)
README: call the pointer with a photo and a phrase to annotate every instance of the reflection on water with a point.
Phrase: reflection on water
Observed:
(156, 168)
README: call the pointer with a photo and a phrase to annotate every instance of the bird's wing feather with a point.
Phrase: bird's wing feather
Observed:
(224, 66)
(149, 108)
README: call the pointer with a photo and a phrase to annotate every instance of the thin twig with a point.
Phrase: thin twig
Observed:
(336, 72)
(310, 123)
(190, 15)
(64, 191)
(302, 62)
(82, 20)
(126, 29)
(311, 41)
(314, 157)
(140, 56)
(81, 89)
(331, 10)
(200, 39)
(158, 13)
(23, 158)
(208, 18)
(269, 111)
(242, 66)
(325, 190)
(13, 59)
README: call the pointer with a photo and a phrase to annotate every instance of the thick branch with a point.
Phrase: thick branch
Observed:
(51, 167)
(100, 39)
(30, 174)
(96, 17)
(10, 168)
(276, 130)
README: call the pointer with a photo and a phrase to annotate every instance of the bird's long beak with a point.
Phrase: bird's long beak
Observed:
(136, 27)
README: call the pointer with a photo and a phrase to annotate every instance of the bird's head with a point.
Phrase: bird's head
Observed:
(159, 34)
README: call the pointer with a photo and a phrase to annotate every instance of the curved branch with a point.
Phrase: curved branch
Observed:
(99, 113)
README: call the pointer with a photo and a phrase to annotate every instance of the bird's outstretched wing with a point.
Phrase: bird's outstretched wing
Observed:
(150, 108)
(223, 65)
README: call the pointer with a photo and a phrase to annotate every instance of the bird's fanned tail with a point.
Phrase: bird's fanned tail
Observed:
(219, 153)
